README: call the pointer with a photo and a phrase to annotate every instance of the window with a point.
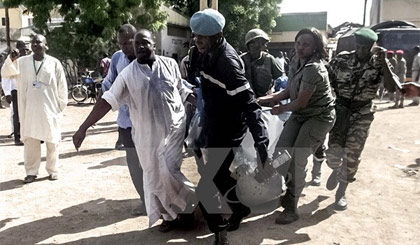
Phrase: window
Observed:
(3, 21)
(177, 31)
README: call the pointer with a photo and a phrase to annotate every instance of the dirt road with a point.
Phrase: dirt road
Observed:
(91, 203)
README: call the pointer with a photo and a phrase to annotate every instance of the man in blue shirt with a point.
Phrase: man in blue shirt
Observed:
(119, 61)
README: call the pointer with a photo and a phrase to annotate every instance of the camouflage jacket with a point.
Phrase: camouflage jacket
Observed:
(354, 84)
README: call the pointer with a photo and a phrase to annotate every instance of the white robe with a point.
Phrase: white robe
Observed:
(155, 99)
(40, 104)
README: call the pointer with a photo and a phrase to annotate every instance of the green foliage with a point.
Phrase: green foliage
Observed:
(244, 15)
(241, 16)
(90, 26)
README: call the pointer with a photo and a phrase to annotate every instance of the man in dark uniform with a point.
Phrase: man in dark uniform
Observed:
(356, 78)
(229, 109)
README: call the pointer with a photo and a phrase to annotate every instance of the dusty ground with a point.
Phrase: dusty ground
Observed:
(92, 201)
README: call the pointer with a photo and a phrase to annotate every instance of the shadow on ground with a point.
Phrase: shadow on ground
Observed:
(79, 153)
(253, 231)
(67, 136)
(86, 103)
(79, 218)
(119, 161)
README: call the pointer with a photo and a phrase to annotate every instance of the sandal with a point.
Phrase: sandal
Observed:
(29, 179)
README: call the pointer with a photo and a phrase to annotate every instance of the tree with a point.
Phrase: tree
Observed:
(89, 26)
(241, 16)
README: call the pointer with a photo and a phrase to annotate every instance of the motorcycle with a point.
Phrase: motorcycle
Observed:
(87, 87)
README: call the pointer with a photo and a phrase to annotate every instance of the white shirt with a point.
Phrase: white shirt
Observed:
(41, 98)
(8, 84)
(416, 68)
(155, 98)
(8, 76)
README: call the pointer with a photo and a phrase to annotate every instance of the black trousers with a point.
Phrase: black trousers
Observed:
(16, 123)
(133, 162)
(215, 178)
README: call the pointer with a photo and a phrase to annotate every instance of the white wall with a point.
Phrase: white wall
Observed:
(167, 45)
(408, 10)
(288, 36)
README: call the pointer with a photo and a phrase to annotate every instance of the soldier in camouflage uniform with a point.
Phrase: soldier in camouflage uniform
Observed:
(355, 79)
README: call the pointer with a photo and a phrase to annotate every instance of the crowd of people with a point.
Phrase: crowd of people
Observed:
(326, 98)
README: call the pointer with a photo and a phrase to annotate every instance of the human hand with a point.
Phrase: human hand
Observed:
(263, 173)
(78, 138)
(267, 99)
(277, 109)
(14, 54)
(9, 99)
(192, 99)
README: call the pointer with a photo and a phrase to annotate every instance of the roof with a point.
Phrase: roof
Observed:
(298, 21)
(176, 18)
(391, 24)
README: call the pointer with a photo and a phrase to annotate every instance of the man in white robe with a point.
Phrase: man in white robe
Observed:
(42, 97)
(151, 87)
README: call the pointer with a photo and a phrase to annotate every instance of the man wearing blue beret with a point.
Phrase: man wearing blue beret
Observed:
(229, 109)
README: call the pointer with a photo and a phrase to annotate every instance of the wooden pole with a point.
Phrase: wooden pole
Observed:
(6, 9)
(206, 4)
(364, 14)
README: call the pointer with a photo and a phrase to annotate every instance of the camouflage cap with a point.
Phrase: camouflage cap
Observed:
(366, 35)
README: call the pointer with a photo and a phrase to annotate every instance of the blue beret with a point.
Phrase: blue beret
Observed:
(366, 35)
(208, 22)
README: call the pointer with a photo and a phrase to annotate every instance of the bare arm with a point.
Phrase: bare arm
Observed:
(101, 108)
(299, 103)
(275, 97)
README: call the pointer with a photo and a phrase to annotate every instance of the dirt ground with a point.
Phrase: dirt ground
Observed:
(92, 201)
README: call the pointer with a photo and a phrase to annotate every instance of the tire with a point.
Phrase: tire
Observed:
(79, 93)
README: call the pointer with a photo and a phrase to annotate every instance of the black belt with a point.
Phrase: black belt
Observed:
(352, 104)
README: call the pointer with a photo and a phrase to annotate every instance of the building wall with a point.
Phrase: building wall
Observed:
(170, 41)
(16, 17)
(289, 36)
(288, 25)
(384, 10)
(19, 24)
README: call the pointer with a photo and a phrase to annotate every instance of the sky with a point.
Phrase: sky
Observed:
(339, 11)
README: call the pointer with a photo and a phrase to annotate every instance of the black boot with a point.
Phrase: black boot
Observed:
(289, 214)
(236, 218)
(287, 217)
(340, 197)
(220, 238)
(332, 181)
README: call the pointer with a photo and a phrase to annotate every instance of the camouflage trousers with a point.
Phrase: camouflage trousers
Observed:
(346, 146)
